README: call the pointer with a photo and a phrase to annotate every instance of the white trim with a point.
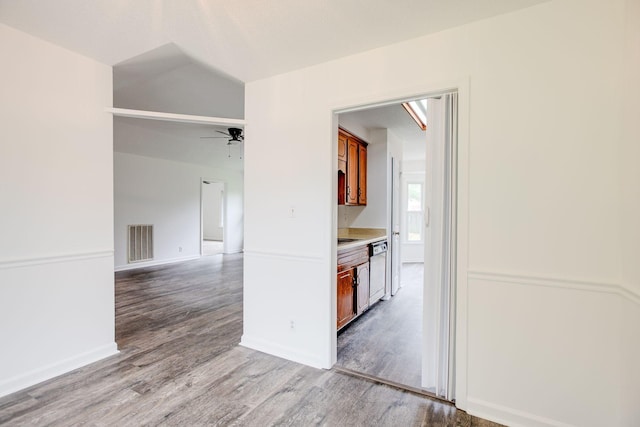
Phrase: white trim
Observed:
(223, 216)
(284, 255)
(288, 353)
(52, 259)
(553, 282)
(155, 262)
(461, 85)
(508, 416)
(172, 117)
(462, 246)
(55, 369)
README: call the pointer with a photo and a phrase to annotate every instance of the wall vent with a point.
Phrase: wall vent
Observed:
(140, 245)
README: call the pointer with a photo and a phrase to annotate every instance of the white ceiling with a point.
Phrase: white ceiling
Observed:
(176, 141)
(395, 119)
(164, 53)
(245, 39)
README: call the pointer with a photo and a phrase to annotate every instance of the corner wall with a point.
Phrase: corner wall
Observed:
(544, 203)
(629, 179)
(56, 250)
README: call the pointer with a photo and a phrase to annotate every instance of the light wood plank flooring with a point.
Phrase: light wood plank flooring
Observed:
(178, 327)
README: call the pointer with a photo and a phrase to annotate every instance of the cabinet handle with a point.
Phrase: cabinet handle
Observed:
(359, 192)
(348, 191)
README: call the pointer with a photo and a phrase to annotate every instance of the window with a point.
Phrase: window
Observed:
(415, 212)
(418, 112)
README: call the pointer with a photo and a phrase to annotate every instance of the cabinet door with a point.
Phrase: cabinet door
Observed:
(362, 175)
(362, 287)
(352, 172)
(345, 297)
(342, 147)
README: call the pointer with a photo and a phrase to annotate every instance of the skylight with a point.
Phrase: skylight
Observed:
(418, 111)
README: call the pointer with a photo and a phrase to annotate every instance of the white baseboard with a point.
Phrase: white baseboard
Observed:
(154, 263)
(282, 352)
(509, 416)
(235, 250)
(36, 376)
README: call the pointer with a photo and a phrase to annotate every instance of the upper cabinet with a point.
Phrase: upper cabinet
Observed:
(362, 174)
(352, 169)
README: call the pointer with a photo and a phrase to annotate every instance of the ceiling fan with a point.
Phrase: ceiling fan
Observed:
(234, 136)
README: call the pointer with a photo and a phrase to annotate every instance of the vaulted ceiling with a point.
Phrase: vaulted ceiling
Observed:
(244, 39)
(193, 56)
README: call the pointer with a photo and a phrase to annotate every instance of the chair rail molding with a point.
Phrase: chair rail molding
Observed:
(52, 259)
(554, 282)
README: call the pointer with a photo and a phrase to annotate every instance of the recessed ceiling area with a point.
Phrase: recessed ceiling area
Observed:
(245, 39)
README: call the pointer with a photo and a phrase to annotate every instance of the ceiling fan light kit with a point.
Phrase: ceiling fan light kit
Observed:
(234, 136)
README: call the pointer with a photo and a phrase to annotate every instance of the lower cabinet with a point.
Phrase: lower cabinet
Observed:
(352, 284)
(362, 288)
(345, 297)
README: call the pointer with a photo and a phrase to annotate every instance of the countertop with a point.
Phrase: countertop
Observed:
(364, 236)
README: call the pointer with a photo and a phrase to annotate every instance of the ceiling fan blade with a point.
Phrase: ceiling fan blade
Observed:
(224, 133)
(206, 137)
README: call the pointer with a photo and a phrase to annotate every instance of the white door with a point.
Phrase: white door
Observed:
(395, 226)
(212, 206)
(439, 274)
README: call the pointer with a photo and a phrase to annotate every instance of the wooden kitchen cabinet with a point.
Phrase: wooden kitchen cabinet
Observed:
(342, 147)
(352, 284)
(362, 175)
(352, 169)
(362, 288)
(345, 298)
(352, 172)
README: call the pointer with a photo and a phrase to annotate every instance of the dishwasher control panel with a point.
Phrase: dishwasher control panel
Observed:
(378, 248)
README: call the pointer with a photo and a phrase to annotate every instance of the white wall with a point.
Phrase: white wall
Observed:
(630, 196)
(56, 250)
(212, 204)
(542, 278)
(167, 194)
(188, 89)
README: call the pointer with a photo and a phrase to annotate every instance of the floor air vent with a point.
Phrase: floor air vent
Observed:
(140, 243)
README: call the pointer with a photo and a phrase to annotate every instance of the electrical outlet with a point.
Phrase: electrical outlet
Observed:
(292, 324)
(292, 211)
(179, 248)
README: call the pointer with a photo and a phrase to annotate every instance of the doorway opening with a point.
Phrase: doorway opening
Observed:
(407, 339)
(212, 218)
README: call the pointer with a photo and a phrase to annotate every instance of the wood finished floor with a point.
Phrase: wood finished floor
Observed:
(178, 329)
(386, 341)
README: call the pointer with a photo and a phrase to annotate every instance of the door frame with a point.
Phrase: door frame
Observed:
(461, 86)
(224, 210)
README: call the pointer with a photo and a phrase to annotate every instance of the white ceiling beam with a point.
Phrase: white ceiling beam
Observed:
(172, 117)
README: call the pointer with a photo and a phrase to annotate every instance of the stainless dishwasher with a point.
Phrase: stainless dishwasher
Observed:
(377, 270)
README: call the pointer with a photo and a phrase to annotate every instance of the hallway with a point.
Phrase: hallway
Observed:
(386, 341)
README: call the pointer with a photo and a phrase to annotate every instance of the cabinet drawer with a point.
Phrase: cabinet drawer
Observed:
(352, 257)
